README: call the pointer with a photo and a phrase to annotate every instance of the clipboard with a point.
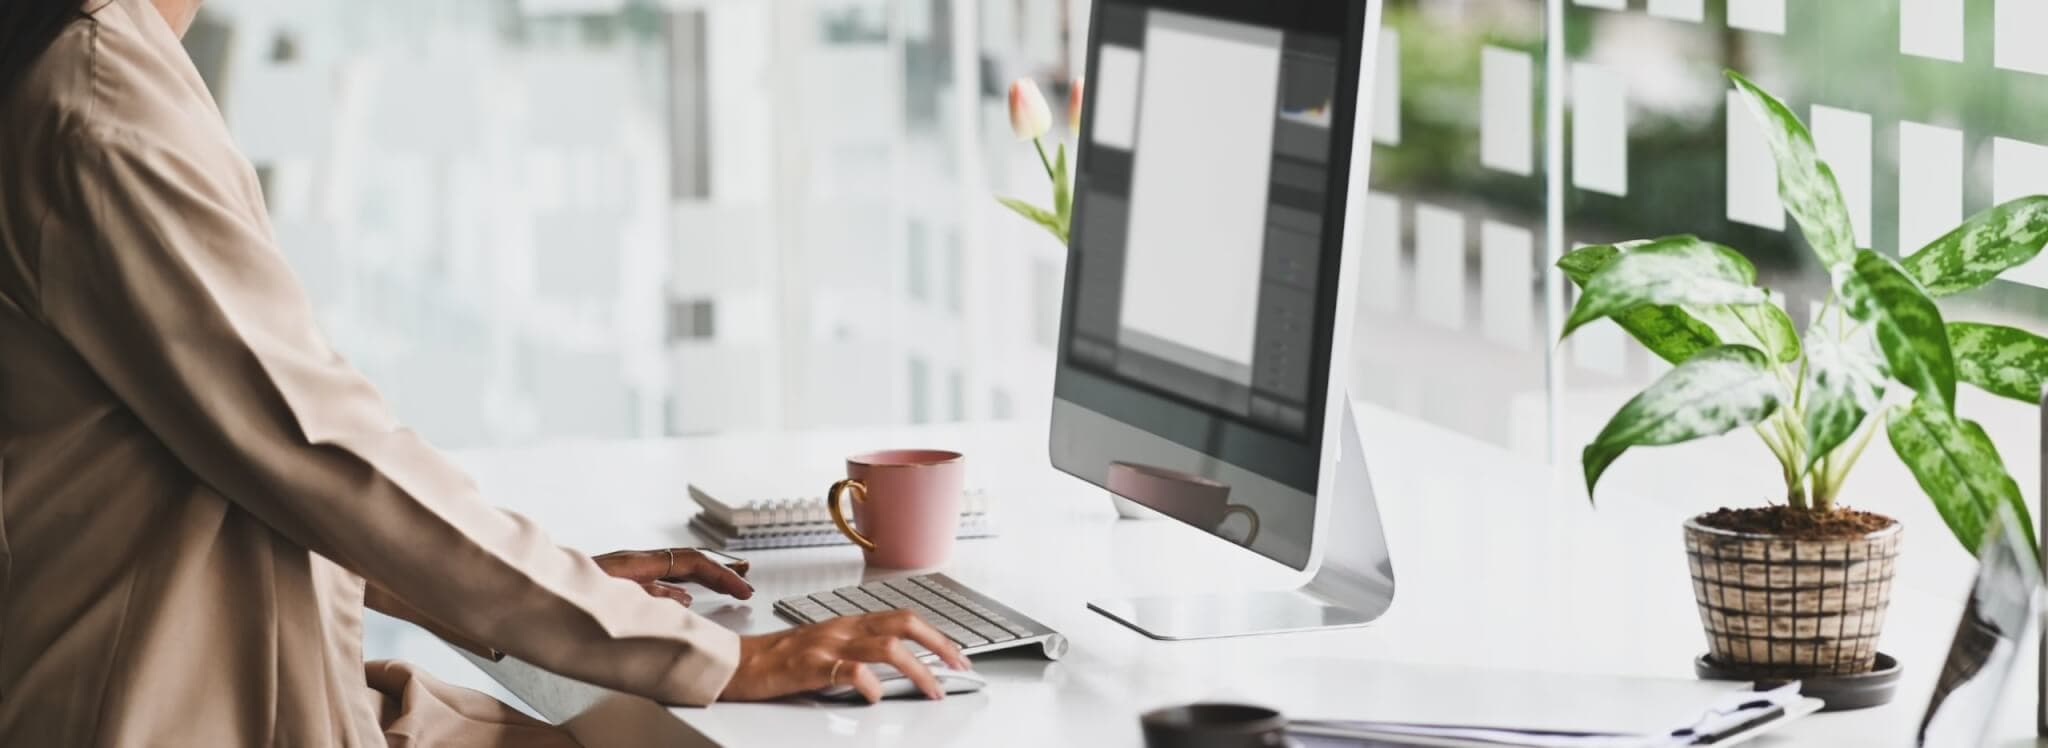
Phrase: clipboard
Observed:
(1733, 719)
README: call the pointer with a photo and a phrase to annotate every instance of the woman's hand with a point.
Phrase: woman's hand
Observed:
(662, 573)
(833, 653)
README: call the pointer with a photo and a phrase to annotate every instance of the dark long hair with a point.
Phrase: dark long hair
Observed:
(27, 28)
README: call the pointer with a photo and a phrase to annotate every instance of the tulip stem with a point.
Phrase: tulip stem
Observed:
(1039, 143)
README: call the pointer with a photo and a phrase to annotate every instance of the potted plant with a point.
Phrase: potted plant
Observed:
(1799, 589)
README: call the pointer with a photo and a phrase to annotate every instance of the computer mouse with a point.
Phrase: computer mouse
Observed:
(896, 685)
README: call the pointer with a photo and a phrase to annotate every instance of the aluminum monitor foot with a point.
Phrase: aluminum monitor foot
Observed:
(1353, 587)
(1217, 616)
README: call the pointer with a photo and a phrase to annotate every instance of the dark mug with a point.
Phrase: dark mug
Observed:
(1214, 726)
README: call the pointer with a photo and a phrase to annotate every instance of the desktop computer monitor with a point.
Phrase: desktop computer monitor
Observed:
(1207, 306)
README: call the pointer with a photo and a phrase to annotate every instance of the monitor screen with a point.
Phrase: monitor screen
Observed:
(1201, 292)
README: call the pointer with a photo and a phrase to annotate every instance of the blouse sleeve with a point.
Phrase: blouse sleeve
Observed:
(171, 289)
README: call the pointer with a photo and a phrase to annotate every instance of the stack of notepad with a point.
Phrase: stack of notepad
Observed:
(794, 519)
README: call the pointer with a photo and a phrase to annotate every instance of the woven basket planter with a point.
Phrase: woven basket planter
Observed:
(1775, 607)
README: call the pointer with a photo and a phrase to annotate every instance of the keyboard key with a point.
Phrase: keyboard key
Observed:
(952, 596)
(958, 633)
(949, 613)
(1011, 626)
(993, 633)
(866, 601)
(810, 610)
(976, 608)
(963, 637)
(893, 598)
(949, 606)
(838, 606)
(905, 593)
(934, 617)
(944, 606)
(813, 610)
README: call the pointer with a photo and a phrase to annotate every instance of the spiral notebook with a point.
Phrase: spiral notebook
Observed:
(795, 518)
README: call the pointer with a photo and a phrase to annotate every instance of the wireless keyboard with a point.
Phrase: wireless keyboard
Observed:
(972, 620)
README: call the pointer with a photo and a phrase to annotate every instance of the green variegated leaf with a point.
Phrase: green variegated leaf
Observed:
(1990, 243)
(1906, 323)
(1678, 271)
(1959, 468)
(1845, 379)
(1037, 215)
(1775, 329)
(1580, 264)
(1062, 192)
(1719, 390)
(1666, 330)
(1805, 183)
(1763, 326)
(1675, 334)
(2003, 361)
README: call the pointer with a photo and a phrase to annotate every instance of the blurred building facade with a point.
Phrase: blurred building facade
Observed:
(589, 219)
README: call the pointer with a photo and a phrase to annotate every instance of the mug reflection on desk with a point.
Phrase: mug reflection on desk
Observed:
(1202, 502)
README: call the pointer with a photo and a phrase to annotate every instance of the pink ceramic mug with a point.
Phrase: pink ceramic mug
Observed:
(906, 503)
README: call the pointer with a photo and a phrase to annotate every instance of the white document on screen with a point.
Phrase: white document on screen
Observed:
(1209, 94)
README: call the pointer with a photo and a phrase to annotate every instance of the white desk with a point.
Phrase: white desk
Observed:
(1499, 563)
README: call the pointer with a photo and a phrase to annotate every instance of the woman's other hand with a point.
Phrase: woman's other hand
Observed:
(663, 573)
(834, 653)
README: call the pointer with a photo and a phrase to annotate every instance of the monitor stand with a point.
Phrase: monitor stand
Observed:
(1353, 586)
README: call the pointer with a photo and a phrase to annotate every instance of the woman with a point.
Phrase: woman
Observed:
(198, 496)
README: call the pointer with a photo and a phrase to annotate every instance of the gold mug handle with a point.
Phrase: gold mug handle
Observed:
(1233, 509)
(860, 493)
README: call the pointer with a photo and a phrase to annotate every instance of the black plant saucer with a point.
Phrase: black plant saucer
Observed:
(1841, 692)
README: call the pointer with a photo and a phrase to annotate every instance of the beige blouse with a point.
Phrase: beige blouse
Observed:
(194, 486)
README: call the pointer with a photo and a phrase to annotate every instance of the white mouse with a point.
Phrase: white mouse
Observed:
(895, 684)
